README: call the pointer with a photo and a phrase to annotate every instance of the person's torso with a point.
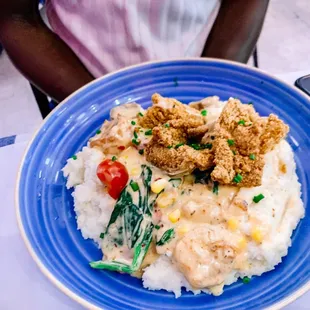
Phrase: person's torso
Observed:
(110, 34)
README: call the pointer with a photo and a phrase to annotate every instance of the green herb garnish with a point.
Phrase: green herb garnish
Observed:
(207, 146)
(170, 147)
(141, 152)
(241, 122)
(178, 145)
(148, 132)
(230, 142)
(166, 237)
(133, 123)
(135, 141)
(157, 227)
(101, 236)
(114, 158)
(258, 198)
(204, 112)
(134, 186)
(74, 157)
(234, 152)
(98, 131)
(215, 188)
(252, 156)
(246, 280)
(135, 135)
(167, 125)
(237, 178)
(140, 114)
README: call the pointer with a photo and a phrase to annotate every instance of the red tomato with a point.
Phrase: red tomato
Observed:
(114, 175)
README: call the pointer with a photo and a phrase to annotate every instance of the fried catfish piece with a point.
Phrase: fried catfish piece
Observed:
(242, 138)
(178, 160)
(166, 109)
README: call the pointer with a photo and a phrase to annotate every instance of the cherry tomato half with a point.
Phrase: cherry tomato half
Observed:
(114, 175)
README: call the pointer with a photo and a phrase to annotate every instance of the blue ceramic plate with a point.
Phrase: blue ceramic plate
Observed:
(45, 208)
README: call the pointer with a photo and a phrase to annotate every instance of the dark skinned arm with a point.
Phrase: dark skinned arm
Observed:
(236, 30)
(39, 53)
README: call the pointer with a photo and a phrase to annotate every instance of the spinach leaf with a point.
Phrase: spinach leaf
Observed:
(130, 225)
(166, 237)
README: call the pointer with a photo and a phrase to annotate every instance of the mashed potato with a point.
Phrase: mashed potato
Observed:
(219, 235)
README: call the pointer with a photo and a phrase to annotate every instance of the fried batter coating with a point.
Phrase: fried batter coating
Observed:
(168, 136)
(178, 160)
(242, 138)
(165, 109)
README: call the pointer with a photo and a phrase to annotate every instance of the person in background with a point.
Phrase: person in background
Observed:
(85, 39)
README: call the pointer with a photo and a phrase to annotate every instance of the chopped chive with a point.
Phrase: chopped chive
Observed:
(167, 125)
(230, 142)
(157, 227)
(74, 157)
(170, 147)
(114, 158)
(141, 151)
(252, 156)
(204, 112)
(140, 114)
(134, 186)
(246, 280)
(133, 123)
(98, 131)
(215, 188)
(148, 132)
(135, 135)
(101, 236)
(258, 198)
(241, 122)
(237, 178)
(207, 146)
(178, 145)
(195, 146)
(135, 141)
(234, 152)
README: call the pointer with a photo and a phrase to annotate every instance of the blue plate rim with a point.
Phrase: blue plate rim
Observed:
(279, 305)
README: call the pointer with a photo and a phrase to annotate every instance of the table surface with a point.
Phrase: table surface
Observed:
(22, 284)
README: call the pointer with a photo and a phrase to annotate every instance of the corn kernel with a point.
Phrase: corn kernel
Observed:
(232, 224)
(242, 243)
(165, 200)
(174, 216)
(257, 235)
(135, 171)
(158, 185)
(182, 230)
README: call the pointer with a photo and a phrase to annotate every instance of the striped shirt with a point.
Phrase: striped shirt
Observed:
(111, 34)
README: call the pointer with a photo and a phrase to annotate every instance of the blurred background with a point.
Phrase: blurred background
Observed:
(283, 47)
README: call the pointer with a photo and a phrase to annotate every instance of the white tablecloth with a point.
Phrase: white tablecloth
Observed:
(22, 285)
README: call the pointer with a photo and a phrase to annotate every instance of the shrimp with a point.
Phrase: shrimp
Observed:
(206, 255)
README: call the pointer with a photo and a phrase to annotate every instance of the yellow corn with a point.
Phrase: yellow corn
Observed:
(158, 185)
(257, 235)
(165, 200)
(232, 224)
(174, 216)
(182, 230)
(135, 171)
(242, 243)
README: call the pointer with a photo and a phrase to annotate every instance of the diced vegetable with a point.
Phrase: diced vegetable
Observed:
(252, 156)
(134, 186)
(114, 158)
(74, 157)
(135, 141)
(141, 152)
(204, 112)
(174, 216)
(133, 123)
(258, 198)
(237, 178)
(230, 142)
(246, 280)
(166, 237)
(148, 132)
(215, 188)
(98, 132)
(241, 122)
(179, 145)
(158, 186)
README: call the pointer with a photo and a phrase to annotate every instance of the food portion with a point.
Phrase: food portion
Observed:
(193, 196)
